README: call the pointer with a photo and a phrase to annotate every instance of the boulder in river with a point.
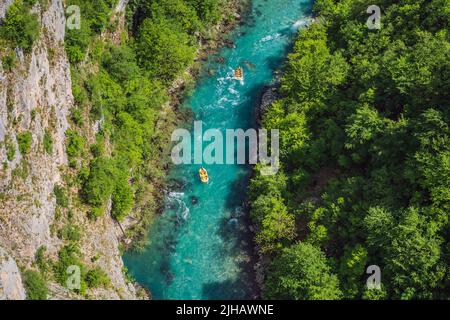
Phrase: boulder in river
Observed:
(194, 200)
(270, 95)
(220, 60)
(229, 43)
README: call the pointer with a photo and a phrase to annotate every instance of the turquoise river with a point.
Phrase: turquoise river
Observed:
(201, 246)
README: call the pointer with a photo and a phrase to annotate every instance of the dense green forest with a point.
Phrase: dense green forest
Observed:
(365, 141)
(365, 157)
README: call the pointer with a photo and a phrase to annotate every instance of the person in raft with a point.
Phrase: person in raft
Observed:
(203, 175)
(239, 74)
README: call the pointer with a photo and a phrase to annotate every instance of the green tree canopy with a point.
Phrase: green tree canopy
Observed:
(164, 51)
(301, 273)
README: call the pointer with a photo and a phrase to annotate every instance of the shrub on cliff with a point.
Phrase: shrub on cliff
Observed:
(20, 27)
(95, 18)
(77, 42)
(61, 197)
(35, 285)
(9, 61)
(24, 141)
(100, 183)
(68, 256)
(97, 278)
(122, 199)
(48, 142)
(75, 145)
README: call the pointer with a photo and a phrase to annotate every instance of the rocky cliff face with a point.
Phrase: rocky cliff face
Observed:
(36, 97)
(11, 287)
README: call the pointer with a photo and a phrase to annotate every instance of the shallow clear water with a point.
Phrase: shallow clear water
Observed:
(201, 246)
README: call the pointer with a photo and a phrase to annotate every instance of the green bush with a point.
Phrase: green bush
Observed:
(128, 140)
(78, 91)
(122, 199)
(70, 232)
(96, 278)
(24, 141)
(76, 116)
(96, 212)
(10, 149)
(97, 150)
(69, 255)
(22, 170)
(77, 42)
(95, 18)
(75, 144)
(121, 64)
(207, 10)
(106, 95)
(9, 61)
(35, 285)
(179, 12)
(20, 27)
(100, 183)
(60, 195)
(41, 261)
(48, 142)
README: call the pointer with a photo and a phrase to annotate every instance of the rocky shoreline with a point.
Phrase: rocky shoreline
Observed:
(269, 95)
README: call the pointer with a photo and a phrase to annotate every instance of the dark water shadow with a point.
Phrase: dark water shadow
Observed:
(237, 243)
(230, 290)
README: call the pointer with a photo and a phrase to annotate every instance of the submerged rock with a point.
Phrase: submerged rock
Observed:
(229, 43)
(233, 223)
(220, 60)
(194, 200)
(249, 65)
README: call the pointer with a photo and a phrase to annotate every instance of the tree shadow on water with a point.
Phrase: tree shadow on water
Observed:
(229, 290)
(237, 244)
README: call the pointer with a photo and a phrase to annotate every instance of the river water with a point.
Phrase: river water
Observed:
(200, 247)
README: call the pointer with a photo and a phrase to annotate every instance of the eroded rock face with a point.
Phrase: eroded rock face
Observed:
(11, 287)
(36, 97)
